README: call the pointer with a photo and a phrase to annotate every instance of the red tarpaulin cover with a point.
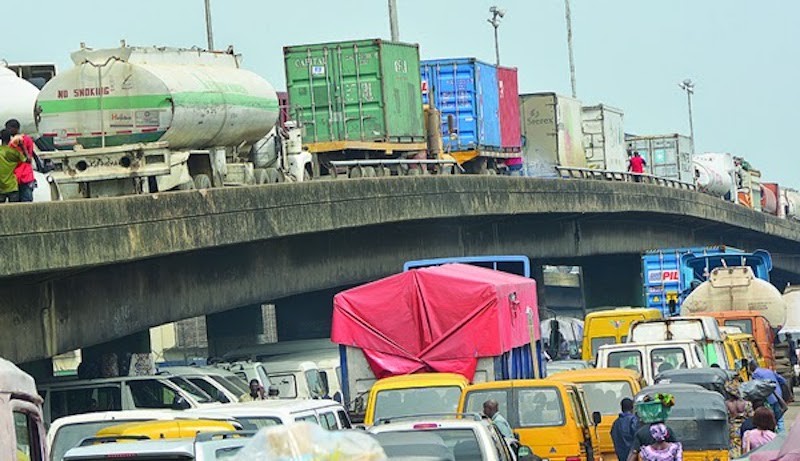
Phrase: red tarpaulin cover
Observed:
(435, 319)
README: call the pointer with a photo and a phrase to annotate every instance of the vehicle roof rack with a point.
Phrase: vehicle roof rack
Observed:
(110, 439)
(206, 436)
(470, 416)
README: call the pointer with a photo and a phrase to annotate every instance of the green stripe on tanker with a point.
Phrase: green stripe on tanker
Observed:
(156, 101)
(365, 90)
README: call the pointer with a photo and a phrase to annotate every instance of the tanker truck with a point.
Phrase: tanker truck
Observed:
(715, 174)
(736, 297)
(131, 120)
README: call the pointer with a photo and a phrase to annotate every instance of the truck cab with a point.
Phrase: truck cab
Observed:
(610, 326)
(22, 433)
(652, 357)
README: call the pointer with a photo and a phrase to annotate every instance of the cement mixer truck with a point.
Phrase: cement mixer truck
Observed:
(130, 120)
(736, 297)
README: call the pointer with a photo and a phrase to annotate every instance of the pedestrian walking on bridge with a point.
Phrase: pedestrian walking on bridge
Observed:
(636, 166)
(9, 159)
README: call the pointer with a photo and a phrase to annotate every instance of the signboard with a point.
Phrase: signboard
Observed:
(663, 276)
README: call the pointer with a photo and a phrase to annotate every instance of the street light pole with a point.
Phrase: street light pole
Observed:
(209, 32)
(393, 27)
(568, 14)
(688, 86)
(497, 13)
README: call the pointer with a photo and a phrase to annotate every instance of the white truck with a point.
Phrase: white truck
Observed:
(22, 434)
(131, 120)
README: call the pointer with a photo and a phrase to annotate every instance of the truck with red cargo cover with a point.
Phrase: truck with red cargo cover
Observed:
(454, 318)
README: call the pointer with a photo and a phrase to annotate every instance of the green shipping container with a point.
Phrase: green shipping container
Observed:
(364, 91)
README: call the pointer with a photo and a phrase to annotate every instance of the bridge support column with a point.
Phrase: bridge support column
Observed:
(613, 281)
(306, 316)
(131, 344)
(235, 328)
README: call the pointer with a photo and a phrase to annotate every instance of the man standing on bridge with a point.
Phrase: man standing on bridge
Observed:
(636, 166)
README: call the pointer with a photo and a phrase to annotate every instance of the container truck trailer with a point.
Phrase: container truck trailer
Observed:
(604, 138)
(137, 119)
(552, 133)
(667, 156)
(454, 318)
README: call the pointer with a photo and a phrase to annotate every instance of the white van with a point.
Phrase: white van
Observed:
(651, 358)
(294, 380)
(212, 381)
(120, 393)
(263, 413)
(67, 432)
(21, 422)
(322, 352)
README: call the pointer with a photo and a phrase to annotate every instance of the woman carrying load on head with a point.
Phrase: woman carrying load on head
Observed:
(739, 410)
(661, 450)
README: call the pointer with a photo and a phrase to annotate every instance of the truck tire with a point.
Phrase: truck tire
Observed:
(355, 173)
(188, 185)
(260, 175)
(369, 172)
(202, 181)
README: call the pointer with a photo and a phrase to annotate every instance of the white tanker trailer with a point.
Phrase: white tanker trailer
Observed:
(715, 174)
(136, 119)
(19, 100)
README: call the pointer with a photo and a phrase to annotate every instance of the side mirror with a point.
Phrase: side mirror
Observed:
(524, 453)
(597, 418)
(179, 403)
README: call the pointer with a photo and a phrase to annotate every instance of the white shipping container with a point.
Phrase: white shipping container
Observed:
(552, 133)
(667, 156)
(604, 138)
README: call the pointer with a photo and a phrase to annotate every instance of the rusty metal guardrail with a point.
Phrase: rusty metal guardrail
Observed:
(603, 175)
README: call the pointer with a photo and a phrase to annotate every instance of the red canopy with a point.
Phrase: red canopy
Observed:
(435, 319)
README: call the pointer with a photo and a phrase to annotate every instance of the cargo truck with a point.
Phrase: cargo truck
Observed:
(456, 318)
(552, 133)
(359, 106)
(22, 431)
(130, 119)
(669, 274)
(604, 138)
(735, 296)
(478, 104)
(667, 156)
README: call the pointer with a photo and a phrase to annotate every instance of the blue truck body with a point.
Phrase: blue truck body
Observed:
(669, 274)
(465, 90)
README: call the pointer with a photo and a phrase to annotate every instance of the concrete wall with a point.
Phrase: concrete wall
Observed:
(97, 270)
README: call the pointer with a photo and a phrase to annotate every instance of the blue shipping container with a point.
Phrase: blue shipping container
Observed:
(466, 90)
(668, 273)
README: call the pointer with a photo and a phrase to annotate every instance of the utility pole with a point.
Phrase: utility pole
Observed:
(569, 46)
(497, 13)
(393, 27)
(688, 86)
(209, 32)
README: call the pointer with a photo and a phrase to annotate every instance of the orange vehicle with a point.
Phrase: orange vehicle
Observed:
(752, 323)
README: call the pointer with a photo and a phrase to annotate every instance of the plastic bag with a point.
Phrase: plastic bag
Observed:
(756, 390)
(309, 442)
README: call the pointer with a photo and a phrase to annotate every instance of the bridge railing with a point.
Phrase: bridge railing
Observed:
(604, 175)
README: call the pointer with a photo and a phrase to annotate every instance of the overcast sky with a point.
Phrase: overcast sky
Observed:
(743, 55)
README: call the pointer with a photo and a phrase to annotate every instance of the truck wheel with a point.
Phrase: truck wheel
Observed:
(188, 185)
(382, 172)
(260, 175)
(202, 181)
(369, 172)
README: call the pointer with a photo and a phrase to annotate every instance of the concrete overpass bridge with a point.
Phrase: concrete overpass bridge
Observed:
(74, 274)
